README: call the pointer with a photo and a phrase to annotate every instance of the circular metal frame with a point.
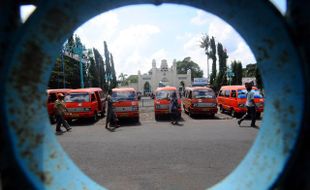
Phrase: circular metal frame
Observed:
(34, 51)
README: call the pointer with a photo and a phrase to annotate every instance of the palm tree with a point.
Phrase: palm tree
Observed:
(205, 43)
(122, 77)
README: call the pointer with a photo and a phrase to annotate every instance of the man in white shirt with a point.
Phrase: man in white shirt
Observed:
(250, 104)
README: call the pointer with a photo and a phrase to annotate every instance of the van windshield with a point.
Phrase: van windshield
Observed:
(242, 94)
(203, 94)
(164, 94)
(125, 95)
(77, 97)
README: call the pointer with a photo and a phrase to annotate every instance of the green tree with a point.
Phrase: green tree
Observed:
(114, 80)
(123, 79)
(249, 70)
(236, 67)
(67, 68)
(108, 65)
(93, 76)
(100, 69)
(132, 79)
(186, 64)
(221, 77)
(258, 78)
(205, 44)
(213, 57)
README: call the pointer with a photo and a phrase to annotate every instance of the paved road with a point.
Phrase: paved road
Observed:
(155, 155)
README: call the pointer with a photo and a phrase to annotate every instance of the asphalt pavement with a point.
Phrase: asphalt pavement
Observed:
(156, 155)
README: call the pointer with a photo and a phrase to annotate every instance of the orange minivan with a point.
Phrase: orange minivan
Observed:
(51, 98)
(162, 101)
(232, 99)
(85, 103)
(199, 100)
(125, 103)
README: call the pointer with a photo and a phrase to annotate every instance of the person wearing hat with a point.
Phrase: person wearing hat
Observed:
(250, 105)
(60, 110)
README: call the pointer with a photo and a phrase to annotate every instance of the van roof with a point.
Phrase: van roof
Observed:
(166, 88)
(123, 89)
(58, 90)
(85, 90)
(235, 87)
(198, 88)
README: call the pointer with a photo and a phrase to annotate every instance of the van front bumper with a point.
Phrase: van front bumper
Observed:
(207, 110)
(132, 114)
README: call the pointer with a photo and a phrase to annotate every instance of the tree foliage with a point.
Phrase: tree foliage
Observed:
(236, 67)
(221, 78)
(188, 64)
(210, 50)
(132, 79)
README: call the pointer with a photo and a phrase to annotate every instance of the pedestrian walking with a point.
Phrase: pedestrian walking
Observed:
(250, 104)
(60, 111)
(112, 120)
(173, 108)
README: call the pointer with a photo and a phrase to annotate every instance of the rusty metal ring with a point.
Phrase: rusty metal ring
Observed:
(35, 48)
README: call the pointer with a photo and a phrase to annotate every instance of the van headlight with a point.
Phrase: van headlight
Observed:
(87, 109)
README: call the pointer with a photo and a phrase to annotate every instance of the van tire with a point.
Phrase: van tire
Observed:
(136, 119)
(233, 113)
(221, 109)
(156, 117)
(190, 114)
(95, 118)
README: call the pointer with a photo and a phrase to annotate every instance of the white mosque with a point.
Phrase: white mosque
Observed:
(163, 76)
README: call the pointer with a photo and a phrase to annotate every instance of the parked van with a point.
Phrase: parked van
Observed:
(51, 98)
(125, 103)
(162, 101)
(232, 99)
(199, 100)
(85, 103)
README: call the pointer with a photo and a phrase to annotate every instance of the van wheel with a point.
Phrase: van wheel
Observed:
(190, 114)
(136, 119)
(221, 109)
(233, 113)
(156, 117)
(95, 118)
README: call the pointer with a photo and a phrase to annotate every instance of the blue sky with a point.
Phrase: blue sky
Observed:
(138, 34)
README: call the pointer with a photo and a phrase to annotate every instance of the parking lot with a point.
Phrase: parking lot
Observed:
(157, 155)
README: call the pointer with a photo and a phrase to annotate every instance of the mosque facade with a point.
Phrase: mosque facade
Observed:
(162, 76)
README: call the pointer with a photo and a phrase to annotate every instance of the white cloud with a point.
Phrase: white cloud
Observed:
(193, 50)
(99, 29)
(237, 48)
(200, 19)
(129, 48)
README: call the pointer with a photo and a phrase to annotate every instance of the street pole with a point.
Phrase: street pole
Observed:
(81, 72)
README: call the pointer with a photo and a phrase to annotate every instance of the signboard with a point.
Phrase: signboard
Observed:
(200, 82)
